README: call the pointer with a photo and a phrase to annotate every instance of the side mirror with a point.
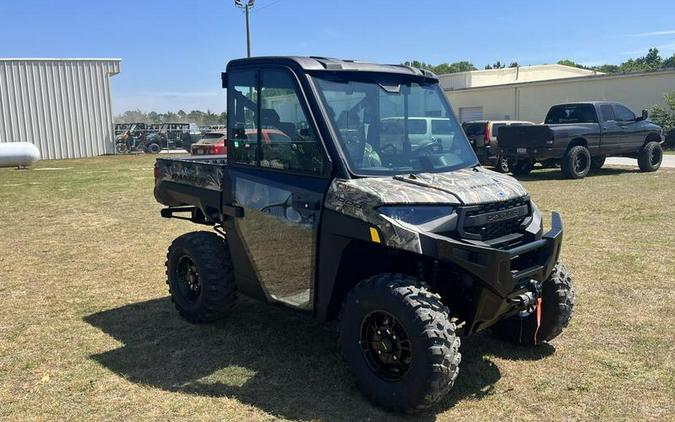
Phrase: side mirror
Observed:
(645, 115)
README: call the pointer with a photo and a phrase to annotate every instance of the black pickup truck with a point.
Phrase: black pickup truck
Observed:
(579, 136)
(355, 214)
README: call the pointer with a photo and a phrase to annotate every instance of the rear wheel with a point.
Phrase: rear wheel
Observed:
(557, 306)
(521, 167)
(597, 162)
(397, 339)
(650, 157)
(200, 276)
(576, 163)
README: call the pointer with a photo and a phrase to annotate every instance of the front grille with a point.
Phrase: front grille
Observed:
(491, 221)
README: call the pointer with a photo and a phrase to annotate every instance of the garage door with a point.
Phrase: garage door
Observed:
(467, 114)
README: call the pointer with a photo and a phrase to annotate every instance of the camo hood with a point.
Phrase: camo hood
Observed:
(465, 187)
(360, 198)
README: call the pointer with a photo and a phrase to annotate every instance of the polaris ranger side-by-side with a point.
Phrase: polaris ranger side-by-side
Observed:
(355, 215)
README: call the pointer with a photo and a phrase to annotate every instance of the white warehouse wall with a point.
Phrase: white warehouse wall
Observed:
(531, 101)
(62, 106)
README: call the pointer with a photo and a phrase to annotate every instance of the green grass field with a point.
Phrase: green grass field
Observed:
(87, 330)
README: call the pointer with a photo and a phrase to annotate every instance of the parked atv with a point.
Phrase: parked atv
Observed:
(130, 142)
(352, 213)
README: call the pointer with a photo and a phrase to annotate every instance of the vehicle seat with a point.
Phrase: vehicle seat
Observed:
(269, 118)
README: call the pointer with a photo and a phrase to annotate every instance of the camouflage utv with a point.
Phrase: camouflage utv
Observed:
(352, 213)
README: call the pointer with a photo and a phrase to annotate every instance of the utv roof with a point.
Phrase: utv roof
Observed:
(336, 65)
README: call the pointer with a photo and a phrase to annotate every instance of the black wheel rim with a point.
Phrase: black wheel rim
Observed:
(504, 164)
(385, 345)
(654, 156)
(580, 163)
(187, 277)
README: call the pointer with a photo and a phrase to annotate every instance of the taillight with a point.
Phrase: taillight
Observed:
(216, 150)
(155, 172)
(487, 134)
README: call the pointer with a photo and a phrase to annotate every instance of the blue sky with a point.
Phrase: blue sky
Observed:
(173, 51)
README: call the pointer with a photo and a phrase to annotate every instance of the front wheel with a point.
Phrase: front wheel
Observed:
(557, 306)
(153, 148)
(650, 157)
(397, 338)
(121, 148)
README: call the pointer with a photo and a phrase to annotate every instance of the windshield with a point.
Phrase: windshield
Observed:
(394, 126)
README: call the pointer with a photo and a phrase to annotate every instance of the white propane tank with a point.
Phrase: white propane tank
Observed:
(18, 154)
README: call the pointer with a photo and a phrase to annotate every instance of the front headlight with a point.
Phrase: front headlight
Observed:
(416, 214)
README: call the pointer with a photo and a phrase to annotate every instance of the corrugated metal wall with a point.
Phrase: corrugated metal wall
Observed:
(62, 106)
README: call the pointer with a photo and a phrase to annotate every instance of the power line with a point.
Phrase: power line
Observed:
(267, 5)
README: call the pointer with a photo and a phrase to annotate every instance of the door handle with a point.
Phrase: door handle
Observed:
(307, 205)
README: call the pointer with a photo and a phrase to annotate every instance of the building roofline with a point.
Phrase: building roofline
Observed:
(566, 80)
(578, 70)
(56, 59)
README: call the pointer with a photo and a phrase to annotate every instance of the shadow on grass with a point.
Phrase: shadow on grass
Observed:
(279, 361)
(540, 174)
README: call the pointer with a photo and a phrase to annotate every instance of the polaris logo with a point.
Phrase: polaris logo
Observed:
(503, 215)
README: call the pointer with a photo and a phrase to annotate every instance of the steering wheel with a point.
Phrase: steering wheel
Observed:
(428, 147)
(389, 149)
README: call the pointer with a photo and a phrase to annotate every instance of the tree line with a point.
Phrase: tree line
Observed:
(650, 62)
(201, 118)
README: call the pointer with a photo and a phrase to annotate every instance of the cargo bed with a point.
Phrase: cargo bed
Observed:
(191, 181)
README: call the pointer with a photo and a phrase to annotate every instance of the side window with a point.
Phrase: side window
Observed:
(495, 129)
(288, 140)
(242, 140)
(607, 112)
(623, 114)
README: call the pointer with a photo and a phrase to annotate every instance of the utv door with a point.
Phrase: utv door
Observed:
(278, 175)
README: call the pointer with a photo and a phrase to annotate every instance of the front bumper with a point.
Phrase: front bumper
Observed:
(499, 271)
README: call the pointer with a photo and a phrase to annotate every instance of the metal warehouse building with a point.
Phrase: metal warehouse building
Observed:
(62, 106)
(526, 93)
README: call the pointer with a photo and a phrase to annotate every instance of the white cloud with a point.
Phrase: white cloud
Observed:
(664, 49)
(655, 33)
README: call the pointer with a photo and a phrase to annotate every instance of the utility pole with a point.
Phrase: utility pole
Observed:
(247, 7)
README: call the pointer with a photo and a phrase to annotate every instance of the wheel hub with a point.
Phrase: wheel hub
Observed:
(187, 275)
(654, 157)
(385, 345)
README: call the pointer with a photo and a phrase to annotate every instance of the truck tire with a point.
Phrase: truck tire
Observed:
(598, 162)
(200, 276)
(397, 338)
(576, 163)
(521, 167)
(502, 164)
(153, 148)
(650, 157)
(558, 299)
